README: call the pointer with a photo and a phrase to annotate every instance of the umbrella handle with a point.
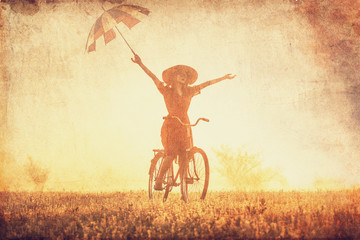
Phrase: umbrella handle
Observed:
(125, 41)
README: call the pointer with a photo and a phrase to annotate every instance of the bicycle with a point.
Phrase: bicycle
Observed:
(192, 175)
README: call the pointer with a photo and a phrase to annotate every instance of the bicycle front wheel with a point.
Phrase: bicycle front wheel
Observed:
(195, 175)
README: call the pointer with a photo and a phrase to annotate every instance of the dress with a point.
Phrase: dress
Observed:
(175, 137)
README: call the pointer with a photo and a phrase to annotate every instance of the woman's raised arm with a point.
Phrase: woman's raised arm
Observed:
(138, 61)
(211, 82)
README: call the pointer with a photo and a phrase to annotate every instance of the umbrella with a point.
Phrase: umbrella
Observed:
(105, 24)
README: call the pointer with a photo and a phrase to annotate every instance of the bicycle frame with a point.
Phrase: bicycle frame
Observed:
(171, 168)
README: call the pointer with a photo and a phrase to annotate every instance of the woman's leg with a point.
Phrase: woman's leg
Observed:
(182, 165)
(165, 166)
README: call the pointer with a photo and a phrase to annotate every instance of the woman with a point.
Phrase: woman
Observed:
(177, 92)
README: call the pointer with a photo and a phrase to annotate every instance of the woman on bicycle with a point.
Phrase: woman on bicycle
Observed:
(176, 137)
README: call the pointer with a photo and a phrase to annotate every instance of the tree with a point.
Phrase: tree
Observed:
(245, 171)
(328, 183)
(38, 175)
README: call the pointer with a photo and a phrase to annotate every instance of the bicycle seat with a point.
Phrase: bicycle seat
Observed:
(158, 150)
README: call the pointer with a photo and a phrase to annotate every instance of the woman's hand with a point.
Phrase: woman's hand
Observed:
(229, 76)
(136, 59)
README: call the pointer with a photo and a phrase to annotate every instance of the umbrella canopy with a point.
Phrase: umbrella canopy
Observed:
(130, 15)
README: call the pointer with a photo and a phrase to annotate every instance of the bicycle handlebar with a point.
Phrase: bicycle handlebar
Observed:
(188, 124)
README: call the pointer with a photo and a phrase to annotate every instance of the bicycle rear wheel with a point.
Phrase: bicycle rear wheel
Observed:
(153, 173)
(195, 175)
(156, 164)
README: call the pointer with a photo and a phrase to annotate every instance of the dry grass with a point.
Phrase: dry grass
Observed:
(227, 215)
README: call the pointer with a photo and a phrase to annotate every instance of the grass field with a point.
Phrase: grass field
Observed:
(225, 215)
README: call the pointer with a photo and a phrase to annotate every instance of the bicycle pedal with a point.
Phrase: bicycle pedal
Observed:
(189, 180)
(158, 188)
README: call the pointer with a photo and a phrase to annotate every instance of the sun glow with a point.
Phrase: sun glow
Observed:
(93, 119)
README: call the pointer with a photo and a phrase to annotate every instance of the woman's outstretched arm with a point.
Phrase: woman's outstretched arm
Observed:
(138, 61)
(211, 82)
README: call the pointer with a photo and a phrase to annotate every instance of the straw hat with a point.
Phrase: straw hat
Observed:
(169, 74)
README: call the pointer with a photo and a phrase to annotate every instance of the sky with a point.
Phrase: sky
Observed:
(91, 120)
